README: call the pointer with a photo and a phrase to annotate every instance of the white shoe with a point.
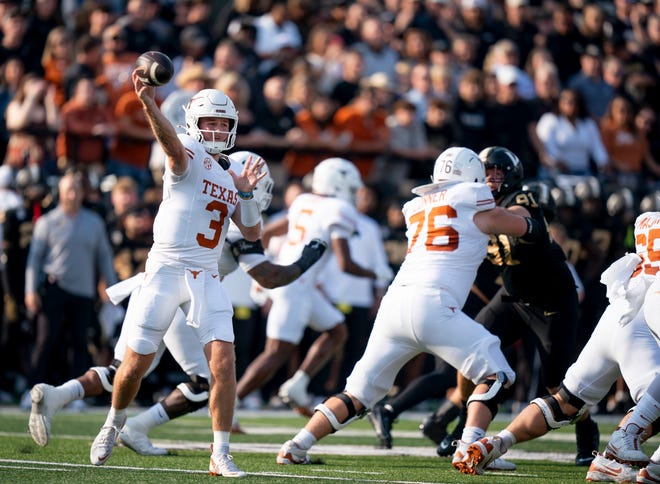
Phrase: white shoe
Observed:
(650, 474)
(501, 465)
(294, 393)
(290, 453)
(104, 443)
(479, 455)
(139, 442)
(603, 469)
(223, 465)
(46, 402)
(625, 446)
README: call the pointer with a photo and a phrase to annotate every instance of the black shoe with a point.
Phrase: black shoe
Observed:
(587, 437)
(435, 425)
(446, 447)
(381, 420)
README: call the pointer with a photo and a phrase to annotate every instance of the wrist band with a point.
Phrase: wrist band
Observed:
(245, 195)
(250, 214)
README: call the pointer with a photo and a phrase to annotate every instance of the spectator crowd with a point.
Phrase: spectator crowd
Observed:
(571, 87)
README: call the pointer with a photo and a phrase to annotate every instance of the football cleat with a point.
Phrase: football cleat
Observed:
(139, 442)
(587, 438)
(650, 474)
(603, 469)
(435, 425)
(625, 446)
(446, 446)
(104, 443)
(294, 393)
(46, 402)
(290, 453)
(381, 419)
(223, 465)
(479, 455)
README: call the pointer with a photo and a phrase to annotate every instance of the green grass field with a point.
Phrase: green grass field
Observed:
(348, 456)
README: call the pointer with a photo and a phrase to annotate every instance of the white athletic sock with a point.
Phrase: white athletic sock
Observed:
(644, 413)
(115, 418)
(220, 442)
(150, 418)
(472, 434)
(508, 439)
(300, 376)
(304, 439)
(73, 390)
(655, 458)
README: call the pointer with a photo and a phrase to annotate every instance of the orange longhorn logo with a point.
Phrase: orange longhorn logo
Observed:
(194, 273)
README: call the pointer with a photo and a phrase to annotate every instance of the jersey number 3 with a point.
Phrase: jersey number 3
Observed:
(215, 225)
(439, 237)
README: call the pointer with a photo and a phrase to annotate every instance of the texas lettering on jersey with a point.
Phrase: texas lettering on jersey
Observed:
(221, 193)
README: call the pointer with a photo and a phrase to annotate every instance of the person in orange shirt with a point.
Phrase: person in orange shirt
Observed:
(129, 154)
(118, 63)
(85, 129)
(56, 58)
(314, 138)
(628, 148)
(364, 121)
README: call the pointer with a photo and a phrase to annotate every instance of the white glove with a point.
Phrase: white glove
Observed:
(384, 275)
(617, 275)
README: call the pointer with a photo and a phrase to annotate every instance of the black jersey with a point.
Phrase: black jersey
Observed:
(534, 273)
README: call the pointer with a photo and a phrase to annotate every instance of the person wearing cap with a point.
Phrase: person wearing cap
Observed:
(589, 81)
(514, 120)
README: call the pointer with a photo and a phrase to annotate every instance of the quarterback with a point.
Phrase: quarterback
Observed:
(200, 196)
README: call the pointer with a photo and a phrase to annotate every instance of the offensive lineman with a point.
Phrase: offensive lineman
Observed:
(447, 230)
(180, 340)
(621, 345)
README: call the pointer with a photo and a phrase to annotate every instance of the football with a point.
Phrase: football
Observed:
(154, 68)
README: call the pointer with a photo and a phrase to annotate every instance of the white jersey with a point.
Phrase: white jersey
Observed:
(647, 243)
(445, 247)
(368, 250)
(192, 220)
(315, 216)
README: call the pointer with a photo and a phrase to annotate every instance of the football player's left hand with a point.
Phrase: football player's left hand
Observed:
(312, 252)
(242, 247)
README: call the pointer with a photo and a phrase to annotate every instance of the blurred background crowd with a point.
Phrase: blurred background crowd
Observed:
(570, 86)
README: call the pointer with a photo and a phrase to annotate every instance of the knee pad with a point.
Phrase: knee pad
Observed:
(107, 374)
(495, 394)
(552, 413)
(195, 393)
(330, 415)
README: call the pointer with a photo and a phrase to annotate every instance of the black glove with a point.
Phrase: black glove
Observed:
(242, 247)
(310, 254)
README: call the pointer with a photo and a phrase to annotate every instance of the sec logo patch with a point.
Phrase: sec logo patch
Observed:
(208, 163)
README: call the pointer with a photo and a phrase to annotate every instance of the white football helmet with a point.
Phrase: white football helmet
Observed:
(337, 177)
(209, 103)
(263, 192)
(455, 164)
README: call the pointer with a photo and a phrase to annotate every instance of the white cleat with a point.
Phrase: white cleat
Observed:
(46, 402)
(223, 465)
(480, 455)
(650, 474)
(103, 444)
(294, 393)
(290, 453)
(603, 469)
(625, 446)
(139, 442)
